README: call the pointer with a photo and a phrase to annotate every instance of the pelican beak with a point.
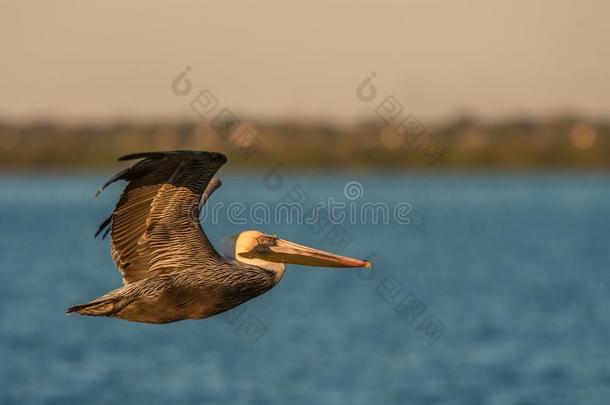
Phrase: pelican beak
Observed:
(274, 249)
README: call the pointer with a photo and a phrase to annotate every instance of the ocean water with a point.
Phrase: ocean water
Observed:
(496, 291)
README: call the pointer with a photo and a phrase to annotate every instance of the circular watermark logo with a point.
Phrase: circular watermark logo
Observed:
(353, 190)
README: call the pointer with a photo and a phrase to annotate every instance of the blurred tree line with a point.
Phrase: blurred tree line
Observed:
(465, 143)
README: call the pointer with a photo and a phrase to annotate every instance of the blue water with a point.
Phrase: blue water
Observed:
(508, 277)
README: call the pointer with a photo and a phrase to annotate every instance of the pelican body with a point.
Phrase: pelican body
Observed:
(170, 269)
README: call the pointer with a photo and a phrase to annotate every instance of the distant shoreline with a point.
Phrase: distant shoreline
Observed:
(463, 145)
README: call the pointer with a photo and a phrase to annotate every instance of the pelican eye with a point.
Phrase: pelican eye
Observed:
(266, 241)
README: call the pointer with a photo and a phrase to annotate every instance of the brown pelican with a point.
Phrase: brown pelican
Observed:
(170, 270)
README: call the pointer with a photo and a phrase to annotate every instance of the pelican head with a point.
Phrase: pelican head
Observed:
(270, 252)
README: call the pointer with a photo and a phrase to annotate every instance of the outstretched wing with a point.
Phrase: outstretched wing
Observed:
(212, 186)
(155, 225)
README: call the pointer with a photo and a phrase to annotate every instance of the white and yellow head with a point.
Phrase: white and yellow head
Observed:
(272, 253)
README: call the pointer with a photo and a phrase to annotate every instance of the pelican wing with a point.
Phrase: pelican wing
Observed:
(155, 225)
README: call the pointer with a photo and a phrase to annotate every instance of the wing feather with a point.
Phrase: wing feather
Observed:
(155, 225)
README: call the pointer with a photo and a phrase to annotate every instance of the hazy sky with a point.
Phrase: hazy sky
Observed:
(83, 60)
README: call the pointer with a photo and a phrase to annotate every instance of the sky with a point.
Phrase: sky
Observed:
(85, 61)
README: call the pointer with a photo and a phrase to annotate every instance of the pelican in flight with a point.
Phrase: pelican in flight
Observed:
(170, 269)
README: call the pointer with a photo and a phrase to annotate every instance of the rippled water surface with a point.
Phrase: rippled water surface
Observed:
(496, 292)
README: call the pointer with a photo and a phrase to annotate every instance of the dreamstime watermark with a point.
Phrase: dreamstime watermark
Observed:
(410, 308)
(405, 303)
(334, 235)
(293, 209)
(408, 128)
(245, 323)
(225, 123)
